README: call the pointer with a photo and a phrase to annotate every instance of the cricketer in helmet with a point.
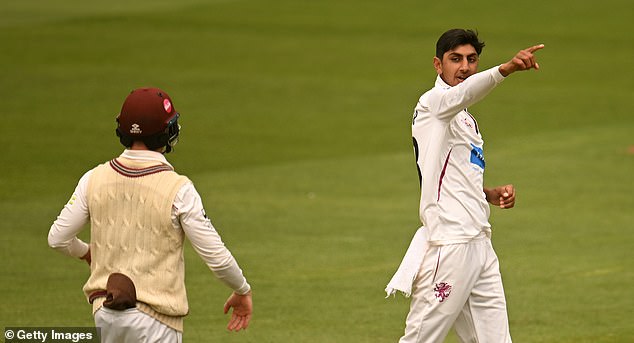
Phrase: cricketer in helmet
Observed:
(148, 115)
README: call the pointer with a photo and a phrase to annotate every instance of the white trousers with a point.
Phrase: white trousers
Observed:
(133, 326)
(458, 285)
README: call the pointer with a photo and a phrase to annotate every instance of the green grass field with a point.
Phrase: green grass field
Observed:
(296, 132)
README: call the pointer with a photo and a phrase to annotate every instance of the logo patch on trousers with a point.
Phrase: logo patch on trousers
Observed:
(442, 291)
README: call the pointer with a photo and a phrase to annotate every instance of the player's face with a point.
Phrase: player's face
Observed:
(457, 64)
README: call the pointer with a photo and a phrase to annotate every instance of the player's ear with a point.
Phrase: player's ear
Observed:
(438, 65)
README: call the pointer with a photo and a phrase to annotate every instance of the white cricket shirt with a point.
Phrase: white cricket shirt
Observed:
(450, 159)
(188, 214)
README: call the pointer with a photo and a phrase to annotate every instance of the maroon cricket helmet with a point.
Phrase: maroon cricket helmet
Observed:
(148, 114)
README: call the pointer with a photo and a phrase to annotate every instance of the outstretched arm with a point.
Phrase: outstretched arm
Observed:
(503, 196)
(523, 60)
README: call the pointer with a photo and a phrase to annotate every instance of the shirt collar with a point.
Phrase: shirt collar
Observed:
(441, 83)
(145, 155)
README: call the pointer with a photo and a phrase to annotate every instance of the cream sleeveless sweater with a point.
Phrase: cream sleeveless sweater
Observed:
(130, 205)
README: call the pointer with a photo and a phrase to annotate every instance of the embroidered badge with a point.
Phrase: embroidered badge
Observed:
(442, 291)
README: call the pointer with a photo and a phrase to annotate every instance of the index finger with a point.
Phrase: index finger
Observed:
(535, 48)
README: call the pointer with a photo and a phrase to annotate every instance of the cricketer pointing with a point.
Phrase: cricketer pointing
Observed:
(458, 281)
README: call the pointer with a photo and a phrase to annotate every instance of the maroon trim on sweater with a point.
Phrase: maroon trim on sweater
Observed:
(134, 172)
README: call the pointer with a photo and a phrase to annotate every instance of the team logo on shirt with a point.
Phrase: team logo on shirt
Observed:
(477, 156)
(442, 291)
(207, 220)
(467, 122)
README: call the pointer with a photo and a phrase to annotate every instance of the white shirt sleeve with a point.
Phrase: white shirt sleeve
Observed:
(63, 233)
(449, 101)
(189, 214)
